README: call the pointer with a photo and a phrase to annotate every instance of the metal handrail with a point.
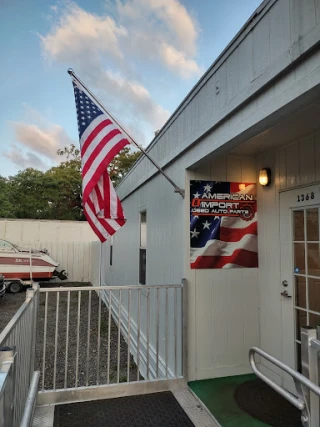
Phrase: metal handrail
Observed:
(31, 401)
(110, 288)
(299, 403)
(20, 336)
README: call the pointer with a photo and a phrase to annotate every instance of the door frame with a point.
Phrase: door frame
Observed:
(291, 200)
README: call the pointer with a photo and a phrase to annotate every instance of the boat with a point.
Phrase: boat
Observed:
(27, 264)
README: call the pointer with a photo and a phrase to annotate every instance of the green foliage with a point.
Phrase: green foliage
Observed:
(6, 208)
(70, 152)
(121, 164)
(66, 202)
(56, 193)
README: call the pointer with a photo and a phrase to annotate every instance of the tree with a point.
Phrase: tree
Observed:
(70, 152)
(121, 164)
(29, 193)
(67, 201)
(56, 193)
(6, 208)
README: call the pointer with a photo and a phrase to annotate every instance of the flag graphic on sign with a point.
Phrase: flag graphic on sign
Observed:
(100, 141)
(223, 225)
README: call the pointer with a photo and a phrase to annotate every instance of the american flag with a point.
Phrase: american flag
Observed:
(222, 241)
(100, 141)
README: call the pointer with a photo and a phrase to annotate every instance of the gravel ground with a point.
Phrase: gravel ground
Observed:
(92, 359)
(9, 305)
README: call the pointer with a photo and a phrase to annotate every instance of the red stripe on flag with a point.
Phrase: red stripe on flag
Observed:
(102, 167)
(102, 221)
(107, 199)
(93, 226)
(99, 196)
(236, 234)
(240, 257)
(93, 134)
(99, 148)
(119, 210)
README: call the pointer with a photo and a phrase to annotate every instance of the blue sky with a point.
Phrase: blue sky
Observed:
(140, 57)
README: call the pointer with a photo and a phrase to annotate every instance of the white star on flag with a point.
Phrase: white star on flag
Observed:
(197, 195)
(206, 225)
(194, 233)
(207, 188)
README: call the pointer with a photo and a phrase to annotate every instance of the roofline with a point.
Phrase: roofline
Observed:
(222, 57)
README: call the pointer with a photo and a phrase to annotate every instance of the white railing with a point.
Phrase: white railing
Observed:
(309, 410)
(98, 342)
(17, 342)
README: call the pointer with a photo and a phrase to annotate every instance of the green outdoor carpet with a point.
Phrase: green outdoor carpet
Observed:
(217, 395)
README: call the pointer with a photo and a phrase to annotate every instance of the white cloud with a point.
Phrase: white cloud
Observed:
(177, 61)
(79, 33)
(44, 141)
(137, 97)
(37, 141)
(108, 51)
(25, 159)
(169, 13)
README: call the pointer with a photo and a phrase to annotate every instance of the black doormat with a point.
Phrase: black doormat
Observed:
(155, 410)
(263, 403)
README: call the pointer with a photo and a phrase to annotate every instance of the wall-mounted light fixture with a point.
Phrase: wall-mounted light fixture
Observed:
(265, 177)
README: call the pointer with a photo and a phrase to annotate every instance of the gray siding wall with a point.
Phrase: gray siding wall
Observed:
(277, 35)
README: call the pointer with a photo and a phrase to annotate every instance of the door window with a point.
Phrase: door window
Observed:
(306, 258)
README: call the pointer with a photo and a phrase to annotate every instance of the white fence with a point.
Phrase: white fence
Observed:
(68, 242)
(96, 264)
(73, 257)
(39, 230)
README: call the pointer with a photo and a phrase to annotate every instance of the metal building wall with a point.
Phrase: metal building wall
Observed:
(234, 102)
(165, 256)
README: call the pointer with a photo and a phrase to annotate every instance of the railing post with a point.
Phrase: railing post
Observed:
(184, 326)
(7, 386)
(309, 361)
(33, 295)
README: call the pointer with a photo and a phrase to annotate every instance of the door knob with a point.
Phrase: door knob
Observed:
(285, 294)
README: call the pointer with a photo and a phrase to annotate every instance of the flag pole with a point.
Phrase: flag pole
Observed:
(176, 188)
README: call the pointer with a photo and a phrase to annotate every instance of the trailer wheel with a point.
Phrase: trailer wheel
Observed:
(14, 287)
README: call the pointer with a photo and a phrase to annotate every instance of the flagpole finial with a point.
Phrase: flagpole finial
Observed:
(70, 71)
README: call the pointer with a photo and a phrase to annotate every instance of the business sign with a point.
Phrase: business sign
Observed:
(223, 225)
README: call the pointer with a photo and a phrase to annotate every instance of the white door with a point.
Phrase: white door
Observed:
(300, 269)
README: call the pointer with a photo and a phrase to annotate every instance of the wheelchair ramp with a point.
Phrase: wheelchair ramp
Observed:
(264, 404)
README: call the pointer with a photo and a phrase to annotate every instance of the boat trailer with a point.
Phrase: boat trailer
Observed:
(15, 285)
